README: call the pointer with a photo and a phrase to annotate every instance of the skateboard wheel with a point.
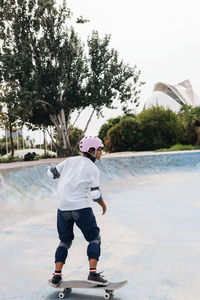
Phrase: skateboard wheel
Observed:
(68, 290)
(107, 296)
(61, 295)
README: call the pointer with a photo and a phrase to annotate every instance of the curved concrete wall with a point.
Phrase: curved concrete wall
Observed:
(30, 184)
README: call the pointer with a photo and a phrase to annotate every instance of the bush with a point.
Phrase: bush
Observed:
(105, 127)
(7, 159)
(29, 156)
(124, 136)
(186, 116)
(179, 147)
(47, 155)
(161, 128)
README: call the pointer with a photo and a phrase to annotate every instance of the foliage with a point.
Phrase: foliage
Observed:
(161, 128)
(124, 136)
(179, 147)
(47, 155)
(74, 134)
(7, 159)
(29, 156)
(190, 118)
(9, 117)
(106, 126)
(3, 144)
(46, 62)
(154, 128)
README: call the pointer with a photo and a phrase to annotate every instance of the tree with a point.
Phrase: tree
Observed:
(9, 118)
(190, 117)
(54, 77)
(124, 136)
(161, 128)
(106, 126)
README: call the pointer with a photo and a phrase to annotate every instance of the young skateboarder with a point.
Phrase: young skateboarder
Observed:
(77, 176)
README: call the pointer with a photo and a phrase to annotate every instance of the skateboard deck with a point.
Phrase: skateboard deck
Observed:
(67, 287)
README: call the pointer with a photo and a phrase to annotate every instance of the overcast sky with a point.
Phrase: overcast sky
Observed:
(161, 37)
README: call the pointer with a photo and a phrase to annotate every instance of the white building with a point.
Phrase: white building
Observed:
(173, 96)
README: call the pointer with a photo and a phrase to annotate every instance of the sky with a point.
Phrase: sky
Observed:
(160, 37)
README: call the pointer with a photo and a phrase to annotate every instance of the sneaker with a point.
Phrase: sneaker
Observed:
(55, 280)
(97, 279)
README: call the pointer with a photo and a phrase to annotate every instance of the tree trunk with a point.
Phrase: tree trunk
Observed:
(81, 136)
(198, 135)
(45, 146)
(61, 122)
(11, 140)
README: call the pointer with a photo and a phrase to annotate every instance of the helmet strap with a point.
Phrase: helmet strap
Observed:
(91, 156)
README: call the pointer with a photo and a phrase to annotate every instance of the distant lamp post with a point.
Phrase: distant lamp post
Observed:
(22, 139)
(6, 141)
(17, 133)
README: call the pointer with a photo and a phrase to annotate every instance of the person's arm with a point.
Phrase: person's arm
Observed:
(95, 191)
(103, 205)
(97, 197)
(54, 172)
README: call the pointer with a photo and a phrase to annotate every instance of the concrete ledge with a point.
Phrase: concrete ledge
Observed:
(28, 164)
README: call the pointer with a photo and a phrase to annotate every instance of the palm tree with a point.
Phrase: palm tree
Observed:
(191, 118)
(195, 120)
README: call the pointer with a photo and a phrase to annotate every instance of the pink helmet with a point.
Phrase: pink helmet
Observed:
(90, 142)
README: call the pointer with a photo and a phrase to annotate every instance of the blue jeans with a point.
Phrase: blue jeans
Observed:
(86, 221)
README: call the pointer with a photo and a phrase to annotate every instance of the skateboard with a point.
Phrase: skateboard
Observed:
(67, 287)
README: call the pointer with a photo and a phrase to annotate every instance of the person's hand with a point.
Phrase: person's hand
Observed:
(104, 208)
(103, 205)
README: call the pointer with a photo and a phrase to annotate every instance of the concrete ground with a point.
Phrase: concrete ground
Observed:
(150, 236)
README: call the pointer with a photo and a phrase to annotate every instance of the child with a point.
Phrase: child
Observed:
(77, 175)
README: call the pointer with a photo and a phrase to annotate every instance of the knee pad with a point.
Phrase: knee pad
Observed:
(94, 250)
(62, 251)
(96, 241)
(66, 245)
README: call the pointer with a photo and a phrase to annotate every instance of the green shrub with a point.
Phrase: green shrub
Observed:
(161, 128)
(29, 156)
(124, 136)
(7, 159)
(187, 119)
(47, 155)
(179, 147)
(105, 127)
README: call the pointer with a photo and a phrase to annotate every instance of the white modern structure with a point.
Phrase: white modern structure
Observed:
(173, 96)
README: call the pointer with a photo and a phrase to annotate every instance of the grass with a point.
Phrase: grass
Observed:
(10, 159)
(7, 159)
(179, 147)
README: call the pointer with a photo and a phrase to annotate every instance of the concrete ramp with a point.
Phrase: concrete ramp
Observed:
(150, 233)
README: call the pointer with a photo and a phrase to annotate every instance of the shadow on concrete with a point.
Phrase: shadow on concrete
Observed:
(78, 296)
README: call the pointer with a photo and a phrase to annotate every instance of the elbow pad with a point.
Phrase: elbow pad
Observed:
(53, 173)
(95, 194)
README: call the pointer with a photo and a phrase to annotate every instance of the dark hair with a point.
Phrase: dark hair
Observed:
(89, 155)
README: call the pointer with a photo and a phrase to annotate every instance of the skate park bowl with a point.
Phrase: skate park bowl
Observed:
(150, 232)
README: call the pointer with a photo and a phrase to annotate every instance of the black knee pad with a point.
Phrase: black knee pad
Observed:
(96, 241)
(62, 251)
(94, 249)
(66, 245)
